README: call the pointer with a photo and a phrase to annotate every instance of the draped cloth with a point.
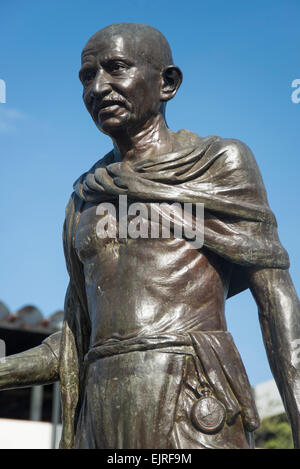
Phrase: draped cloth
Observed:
(238, 226)
(220, 173)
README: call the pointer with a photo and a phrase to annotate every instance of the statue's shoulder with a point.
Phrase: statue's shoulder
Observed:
(186, 138)
(232, 150)
(239, 159)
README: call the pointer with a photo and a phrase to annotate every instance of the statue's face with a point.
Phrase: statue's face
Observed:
(121, 88)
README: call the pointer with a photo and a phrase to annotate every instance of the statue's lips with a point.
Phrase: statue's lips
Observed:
(110, 107)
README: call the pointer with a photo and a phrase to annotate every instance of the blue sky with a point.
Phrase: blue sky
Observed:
(238, 60)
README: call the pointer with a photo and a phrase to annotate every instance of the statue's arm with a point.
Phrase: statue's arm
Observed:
(35, 366)
(279, 315)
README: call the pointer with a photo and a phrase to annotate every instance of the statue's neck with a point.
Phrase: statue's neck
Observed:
(153, 138)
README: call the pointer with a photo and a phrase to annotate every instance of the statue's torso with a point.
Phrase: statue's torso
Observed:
(148, 286)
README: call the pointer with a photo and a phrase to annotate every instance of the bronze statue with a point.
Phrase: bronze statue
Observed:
(144, 359)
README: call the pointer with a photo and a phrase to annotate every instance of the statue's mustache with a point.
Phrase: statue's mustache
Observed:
(99, 104)
(112, 101)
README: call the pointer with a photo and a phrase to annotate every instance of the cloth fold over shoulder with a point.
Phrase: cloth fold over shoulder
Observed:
(220, 173)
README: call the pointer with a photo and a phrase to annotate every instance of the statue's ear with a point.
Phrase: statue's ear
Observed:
(171, 80)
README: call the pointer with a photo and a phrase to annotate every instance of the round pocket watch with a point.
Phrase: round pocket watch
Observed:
(208, 414)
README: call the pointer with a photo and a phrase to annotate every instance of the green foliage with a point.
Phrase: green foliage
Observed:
(274, 433)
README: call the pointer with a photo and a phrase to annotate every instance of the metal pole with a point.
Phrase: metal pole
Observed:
(36, 403)
(55, 413)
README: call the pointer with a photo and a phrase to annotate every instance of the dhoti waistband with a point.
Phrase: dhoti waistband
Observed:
(143, 343)
(219, 360)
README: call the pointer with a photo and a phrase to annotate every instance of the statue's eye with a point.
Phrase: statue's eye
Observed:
(87, 76)
(115, 67)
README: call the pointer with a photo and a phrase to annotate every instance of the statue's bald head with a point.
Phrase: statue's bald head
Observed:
(146, 42)
(133, 64)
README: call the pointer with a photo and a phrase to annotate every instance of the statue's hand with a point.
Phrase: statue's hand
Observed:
(35, 366)
(8, 369)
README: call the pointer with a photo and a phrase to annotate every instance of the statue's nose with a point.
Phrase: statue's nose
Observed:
(101, 86)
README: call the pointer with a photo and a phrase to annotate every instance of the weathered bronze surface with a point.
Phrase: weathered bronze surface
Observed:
(144, 359)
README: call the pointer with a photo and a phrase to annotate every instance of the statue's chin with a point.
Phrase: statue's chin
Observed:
(111, 127)
(115, 125)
